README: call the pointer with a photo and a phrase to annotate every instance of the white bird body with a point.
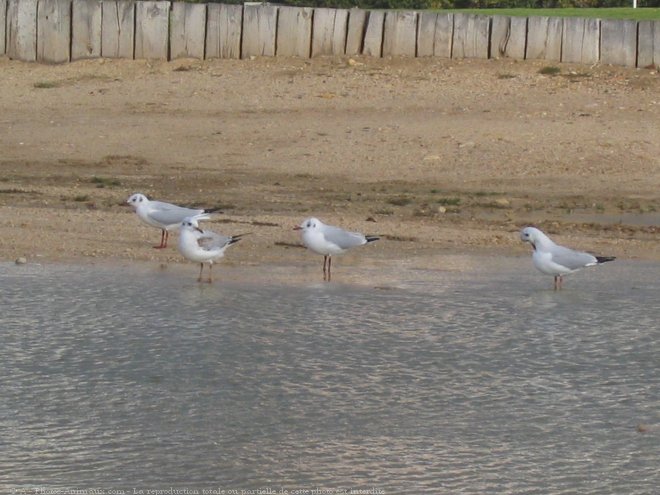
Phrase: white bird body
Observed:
(162, 215)
(552, 259)
(202, 246)
(329, 240)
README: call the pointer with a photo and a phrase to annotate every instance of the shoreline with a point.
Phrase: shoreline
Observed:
(435, 156)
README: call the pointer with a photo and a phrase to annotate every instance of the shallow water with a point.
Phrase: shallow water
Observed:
(129, 378)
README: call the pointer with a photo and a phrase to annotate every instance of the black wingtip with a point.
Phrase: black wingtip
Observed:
(371, 238)
(238, 237)
(213, 210)
(605, 259)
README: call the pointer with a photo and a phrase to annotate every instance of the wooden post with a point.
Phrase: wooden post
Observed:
(648, 44)
(223, 30)
(357, 25)
(373, 36)
(400, 34)
(508, 37)
(152, 29)
(86, 29)
(259, 30)
(187, 30)
(618, 42)
(544, 35)
(3, 26)
(294, 32)
(329, 31)
(580, 40)
(54, 31)
(22, 30)
(434, 34)
(471, 36)
(117, 29)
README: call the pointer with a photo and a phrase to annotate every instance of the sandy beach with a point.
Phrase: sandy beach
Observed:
(441, 158)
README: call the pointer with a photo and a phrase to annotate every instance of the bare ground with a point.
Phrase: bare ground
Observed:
(439, 157)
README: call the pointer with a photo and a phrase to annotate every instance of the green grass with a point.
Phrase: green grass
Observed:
(102, 182)
(641, 14)
(549, 70)
(46, 84)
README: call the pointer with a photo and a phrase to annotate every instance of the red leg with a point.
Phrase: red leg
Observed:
(163, 241)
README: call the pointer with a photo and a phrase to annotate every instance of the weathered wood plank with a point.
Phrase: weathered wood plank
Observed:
(152, 29)
(618, 42)
(187, 30)
(373, 35)
(400, 34)
(54, 31)
(223, 30)
(544, 35)
(508, 37)
(329, 31)
(357, 25)
(22, 30)
(471, 36)
(118, 29)
(259, 30)
(580, 40)
(294, 32)
(648, 44)
(434, 34)
(426, 33)
(444, 35)
(86, 29)
(3, 26)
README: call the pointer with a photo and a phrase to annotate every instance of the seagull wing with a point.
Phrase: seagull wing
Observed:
(169, 214)
(342, 238)
(210, 241)
(573, 260)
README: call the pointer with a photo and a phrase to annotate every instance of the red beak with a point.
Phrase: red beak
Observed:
(297, 227)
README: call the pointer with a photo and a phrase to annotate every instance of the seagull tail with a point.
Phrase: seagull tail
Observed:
(235, 238)
(371, 238)
(604, 259)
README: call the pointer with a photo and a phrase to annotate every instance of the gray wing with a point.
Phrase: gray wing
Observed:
(343, 238)
(169, 214)
(211, 241)
(571, 259)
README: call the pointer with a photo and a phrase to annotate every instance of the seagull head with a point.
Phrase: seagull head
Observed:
(531, 235)
(136, 200)
(192, 223)
(308, 224)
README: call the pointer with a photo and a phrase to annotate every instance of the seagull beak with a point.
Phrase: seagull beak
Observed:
(199, 230)
(297, 227)
(533, 245)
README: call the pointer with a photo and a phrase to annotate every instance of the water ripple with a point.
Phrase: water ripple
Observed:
(485, 383)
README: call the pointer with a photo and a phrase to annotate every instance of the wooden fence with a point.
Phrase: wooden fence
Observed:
(56, 31)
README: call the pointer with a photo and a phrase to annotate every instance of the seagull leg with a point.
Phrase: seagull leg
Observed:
(210, 273)
(325, 260)
(329, 263)
(561, 281)
(163, 242)
(167, 236)
(201, 267)
(557, 282)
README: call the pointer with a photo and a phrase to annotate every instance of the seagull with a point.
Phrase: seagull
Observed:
(556, 260)
(164, 216)
(203, 246)
(328, 240)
